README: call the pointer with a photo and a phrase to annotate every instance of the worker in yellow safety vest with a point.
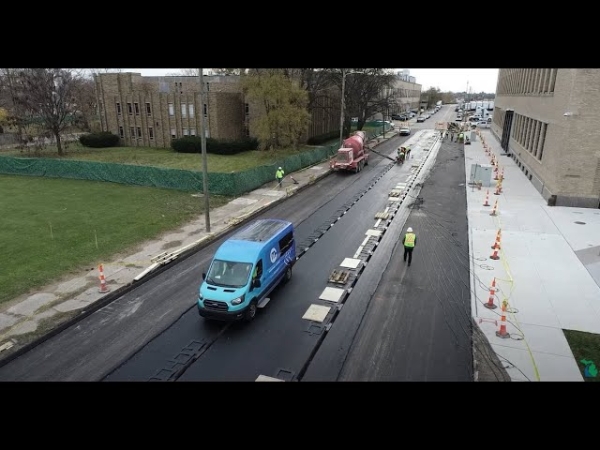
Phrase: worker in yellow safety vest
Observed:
(409, 241)
(279, 176)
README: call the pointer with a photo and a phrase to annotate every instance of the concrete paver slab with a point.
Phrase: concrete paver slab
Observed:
(32, 304)
(546, 284)
(7, 321)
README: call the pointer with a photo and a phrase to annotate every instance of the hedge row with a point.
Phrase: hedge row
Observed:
(99, 140)
(193, 144)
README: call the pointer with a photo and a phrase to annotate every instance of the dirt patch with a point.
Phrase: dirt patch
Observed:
(171, 244)
(488, 366)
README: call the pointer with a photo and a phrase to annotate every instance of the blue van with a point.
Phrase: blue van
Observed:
(246, 268)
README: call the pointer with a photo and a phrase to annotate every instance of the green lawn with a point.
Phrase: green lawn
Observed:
(52, 226)
(585, 346)
(161, 157)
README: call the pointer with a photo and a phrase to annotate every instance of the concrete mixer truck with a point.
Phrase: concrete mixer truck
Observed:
(353, 155)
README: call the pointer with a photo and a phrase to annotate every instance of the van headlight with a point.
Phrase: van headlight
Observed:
(237, 301)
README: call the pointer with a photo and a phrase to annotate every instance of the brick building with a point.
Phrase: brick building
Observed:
(407, 92)
(547, 120)
(150, 111)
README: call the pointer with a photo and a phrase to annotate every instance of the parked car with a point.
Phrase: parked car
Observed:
(421, 119)
(398, 117)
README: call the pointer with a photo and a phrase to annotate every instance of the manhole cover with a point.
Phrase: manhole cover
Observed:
(580, 223)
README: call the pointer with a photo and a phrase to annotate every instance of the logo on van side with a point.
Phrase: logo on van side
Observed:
(273, 255)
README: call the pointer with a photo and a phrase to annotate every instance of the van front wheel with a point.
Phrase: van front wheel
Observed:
(288, 275)
(251, 311)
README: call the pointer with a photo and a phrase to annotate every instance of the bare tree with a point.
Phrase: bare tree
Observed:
(9, 91)
(228, 71)
(365, 93)
(46, 95)
(85, 102)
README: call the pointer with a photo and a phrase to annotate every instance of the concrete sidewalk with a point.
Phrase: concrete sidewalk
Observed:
(28, 317)
(548, 270)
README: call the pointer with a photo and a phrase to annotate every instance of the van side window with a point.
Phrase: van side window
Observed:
(286, 242)
(258, 270)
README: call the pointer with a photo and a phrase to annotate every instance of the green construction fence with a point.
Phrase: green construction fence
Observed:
(229, 184)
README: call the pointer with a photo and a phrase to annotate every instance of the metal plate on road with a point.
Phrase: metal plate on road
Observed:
(316, 313)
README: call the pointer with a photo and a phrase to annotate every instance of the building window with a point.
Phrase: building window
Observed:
(118, 108)
(183, 110)
(139, 132)
(148, 109)
(247, 106)
(553, 79)
(542, 140)
(191, 110)
(186, 132)
(173, 133)
(129, 108)
(150, 132)
(192, 132)
(171, 109)
(121, 132)
(132, 131)
(137, 108)
(205, 110)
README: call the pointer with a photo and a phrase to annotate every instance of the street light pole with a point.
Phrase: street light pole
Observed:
(204, 158)
(342, 109)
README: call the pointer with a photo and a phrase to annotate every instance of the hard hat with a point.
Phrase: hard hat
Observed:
(280, 168)
(409, 230)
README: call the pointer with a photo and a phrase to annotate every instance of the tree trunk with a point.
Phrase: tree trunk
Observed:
(58, 143)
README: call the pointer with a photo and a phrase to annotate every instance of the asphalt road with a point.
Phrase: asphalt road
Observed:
(411, 324)
(161, 307)
(279, 342)
(418, 324)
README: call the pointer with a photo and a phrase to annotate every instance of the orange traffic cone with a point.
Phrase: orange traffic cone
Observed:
(493, 213)
(490, 304)
(487, 198)
(502, 175)
(502, 333)
(497, 191)
(495, 254)
(497, 243)
(103, 286)
(496, 173)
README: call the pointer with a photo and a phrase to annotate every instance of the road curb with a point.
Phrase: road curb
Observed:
(112, 296)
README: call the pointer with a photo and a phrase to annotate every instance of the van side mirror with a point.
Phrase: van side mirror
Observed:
(256, 283)
(204, 275)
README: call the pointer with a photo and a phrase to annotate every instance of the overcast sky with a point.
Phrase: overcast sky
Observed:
(446, 79)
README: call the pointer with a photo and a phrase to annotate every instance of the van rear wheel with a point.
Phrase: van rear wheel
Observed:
(251, 311)
(288, 275)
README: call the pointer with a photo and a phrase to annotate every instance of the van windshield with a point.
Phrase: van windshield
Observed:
(228, 273)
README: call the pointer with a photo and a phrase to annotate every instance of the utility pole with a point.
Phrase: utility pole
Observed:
(342, 109)
(204, 158)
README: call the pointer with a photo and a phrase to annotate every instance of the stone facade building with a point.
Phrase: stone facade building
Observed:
(151, 111)
(547, 120)
(407, 95)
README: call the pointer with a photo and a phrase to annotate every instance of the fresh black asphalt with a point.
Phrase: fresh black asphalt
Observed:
(417, 325)
(279, 342)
